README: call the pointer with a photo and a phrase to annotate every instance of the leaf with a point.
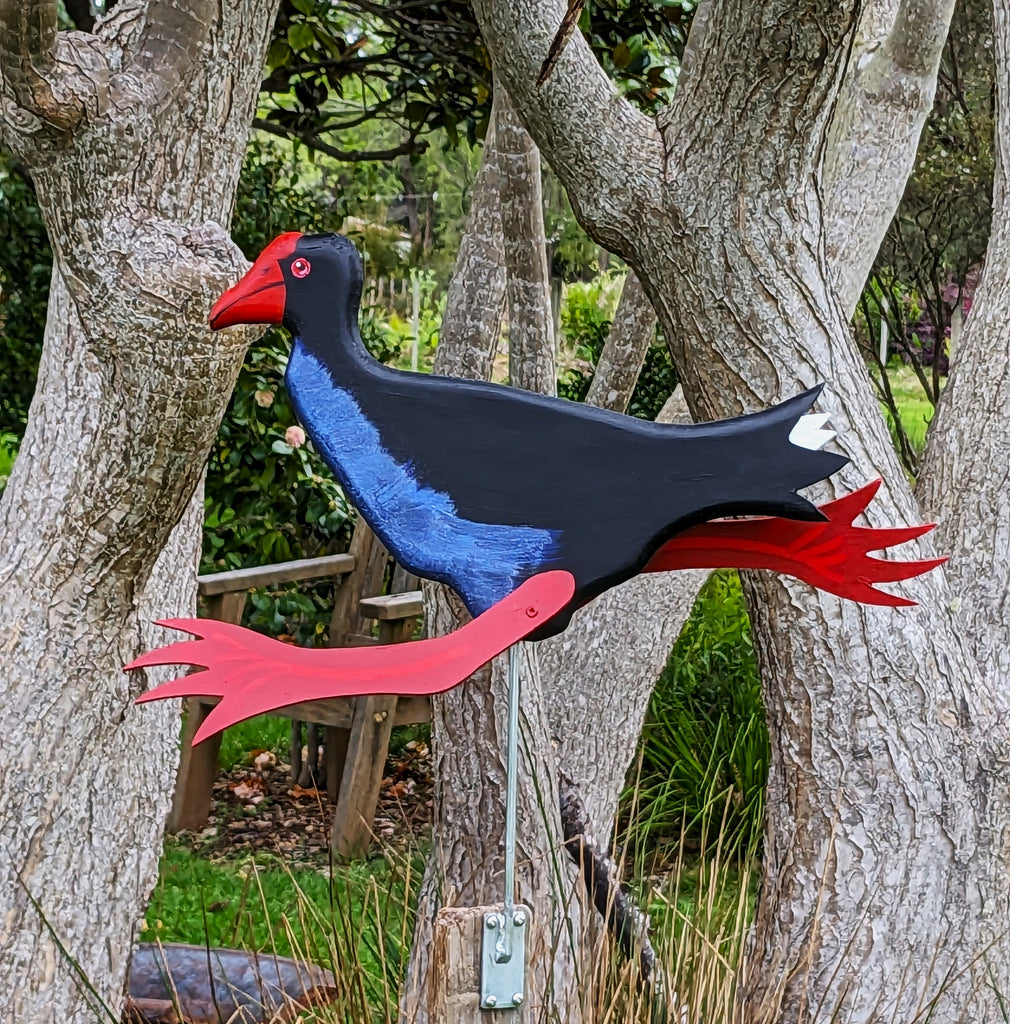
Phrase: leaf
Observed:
(278, 55)
(281, 448)
(621, 55)
(301, 36)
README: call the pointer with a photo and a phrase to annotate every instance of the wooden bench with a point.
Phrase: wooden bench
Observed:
(357, 729)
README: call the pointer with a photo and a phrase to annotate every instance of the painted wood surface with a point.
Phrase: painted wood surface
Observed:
(483, 486)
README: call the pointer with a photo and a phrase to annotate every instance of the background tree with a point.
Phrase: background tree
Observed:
(133, 137)
(738, 211)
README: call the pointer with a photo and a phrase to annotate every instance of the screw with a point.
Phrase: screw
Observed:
(493, 921)
(532, 612)
(490, 1001)
(517, 998)
(519, 918)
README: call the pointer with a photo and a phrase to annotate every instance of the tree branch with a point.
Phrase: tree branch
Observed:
(532, 346)
(174, 34)
(891, 82)
(475, 301)
(310, 139)
(620, 362)
(577, 118)
(964, 477)
(28, 65)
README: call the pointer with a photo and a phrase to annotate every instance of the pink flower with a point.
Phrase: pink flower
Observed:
(294, 436)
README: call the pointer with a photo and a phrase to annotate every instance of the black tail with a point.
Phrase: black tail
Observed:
(770, 468)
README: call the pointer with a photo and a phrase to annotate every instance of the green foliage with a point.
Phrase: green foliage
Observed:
(422, 67)
(276, 194)
(585, 323)
(26, 264)
(8, 449)
(655, 384)
(389, 336)
(705, 744)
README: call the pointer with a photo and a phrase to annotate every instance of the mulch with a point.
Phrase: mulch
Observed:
(258, 809)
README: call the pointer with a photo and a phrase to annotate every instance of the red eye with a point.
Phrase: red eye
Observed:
(301, 267)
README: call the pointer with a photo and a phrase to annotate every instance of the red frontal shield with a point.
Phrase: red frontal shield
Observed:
(259, 297)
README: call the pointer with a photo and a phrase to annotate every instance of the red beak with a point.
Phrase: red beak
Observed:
(260, 296)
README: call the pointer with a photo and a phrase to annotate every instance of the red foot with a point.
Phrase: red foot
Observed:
(253, 674)
(832, 555)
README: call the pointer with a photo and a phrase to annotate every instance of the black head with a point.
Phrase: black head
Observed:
(294, 275)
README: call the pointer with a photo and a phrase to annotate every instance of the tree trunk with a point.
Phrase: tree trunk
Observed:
(469, 723)
(631, 333)
(134, 138)
(884, 897)
(475, 300)
(532, 355)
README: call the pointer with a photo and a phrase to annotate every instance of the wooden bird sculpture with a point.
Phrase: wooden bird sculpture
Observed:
(527, 506)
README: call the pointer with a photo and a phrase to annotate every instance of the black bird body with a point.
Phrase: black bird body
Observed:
(483, 486)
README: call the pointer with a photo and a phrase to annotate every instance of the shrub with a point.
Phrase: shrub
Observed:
(585, 323)
(705, 743)
(26, 264)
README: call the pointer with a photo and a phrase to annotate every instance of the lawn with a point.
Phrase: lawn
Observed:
(914, 407)
(356, 920)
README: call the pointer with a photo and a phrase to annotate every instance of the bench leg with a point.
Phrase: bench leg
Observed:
(364, 766)
(336, 744)
(194, 785)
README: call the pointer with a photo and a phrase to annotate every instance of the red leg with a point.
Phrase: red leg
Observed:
(831, 555)
(253, 674)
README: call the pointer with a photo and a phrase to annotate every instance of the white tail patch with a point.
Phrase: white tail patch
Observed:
(808, 432)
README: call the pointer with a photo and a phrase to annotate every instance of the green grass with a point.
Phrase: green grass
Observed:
(914, 407)
(704, 744)
(261, 733)
(356, 920)
(239, 902)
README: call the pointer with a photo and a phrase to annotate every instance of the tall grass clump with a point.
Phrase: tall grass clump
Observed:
(704, 750)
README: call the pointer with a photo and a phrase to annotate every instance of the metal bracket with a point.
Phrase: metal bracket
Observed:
(503, 959)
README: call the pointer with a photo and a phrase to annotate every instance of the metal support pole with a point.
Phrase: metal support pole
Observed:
(512, 780)
(503, 960)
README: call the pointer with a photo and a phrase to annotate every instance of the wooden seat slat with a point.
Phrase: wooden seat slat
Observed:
(387, 607)
(271, 575)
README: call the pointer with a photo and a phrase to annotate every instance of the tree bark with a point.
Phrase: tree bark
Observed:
(532, 345)
(631, 333)
(475, 299)
(963, 478)
(890, 79)
(884, 896)
(469, 723)
(134, 137)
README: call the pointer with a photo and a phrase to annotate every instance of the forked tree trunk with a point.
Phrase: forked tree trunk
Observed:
(134, 138)
(885, 895)
(469, 723)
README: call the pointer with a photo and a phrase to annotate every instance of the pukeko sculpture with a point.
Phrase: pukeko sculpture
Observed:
(527, 506)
